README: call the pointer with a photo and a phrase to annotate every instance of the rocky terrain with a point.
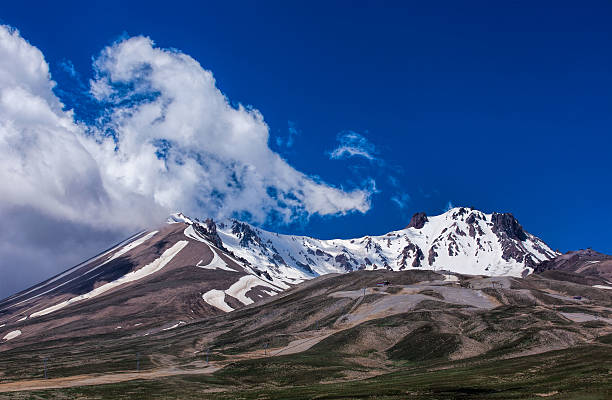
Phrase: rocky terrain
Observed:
(582, 266)
(410, 332)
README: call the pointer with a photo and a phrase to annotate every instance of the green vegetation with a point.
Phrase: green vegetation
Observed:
(583, 373)
(425, 343)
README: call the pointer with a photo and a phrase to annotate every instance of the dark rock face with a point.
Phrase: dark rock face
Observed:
(509, 231)
(320, 253)
(409, 251)
(418, 220)
(246, 234)
(305, 267)
(470, 219)
(416, 263)
(344, 262)
(453, 247)
(507, 224)
(431, 257)
(473, 226)
(278, 259)
(209, 230)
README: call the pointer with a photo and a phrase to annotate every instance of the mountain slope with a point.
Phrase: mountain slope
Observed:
(189, 269)
(153, 280)
(582, 266)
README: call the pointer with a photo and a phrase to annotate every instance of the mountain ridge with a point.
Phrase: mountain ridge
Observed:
(189, 269)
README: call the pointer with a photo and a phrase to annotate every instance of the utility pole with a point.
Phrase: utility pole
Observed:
(266, 349)
(207, 350)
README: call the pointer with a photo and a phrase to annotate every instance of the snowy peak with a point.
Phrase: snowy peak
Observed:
(418, 220)
(461, 240)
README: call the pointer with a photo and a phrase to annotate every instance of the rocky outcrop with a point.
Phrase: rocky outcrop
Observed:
(305, 267)
(246, 234)
(417, 221)
(473, 225)
(507, 224)
(411, 251)
(344, 262)
(208, 229)
(431, 257)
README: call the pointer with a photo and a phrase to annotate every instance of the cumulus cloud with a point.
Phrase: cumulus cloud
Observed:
(169, 140)
(184, 146)
(353, 144)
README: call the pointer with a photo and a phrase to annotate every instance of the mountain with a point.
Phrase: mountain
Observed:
(189, 269)
(421, 335)
(461, 240)
(587, 267)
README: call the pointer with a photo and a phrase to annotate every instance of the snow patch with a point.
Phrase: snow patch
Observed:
(174, 326)
(239, 289)
(602, 287)
(12, 335)
(216, 263)
(147, 270)
(191, 233)
(130, 246)
(216, 298)
(178, 218)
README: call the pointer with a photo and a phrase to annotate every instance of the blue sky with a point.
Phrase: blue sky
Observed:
(502, 107)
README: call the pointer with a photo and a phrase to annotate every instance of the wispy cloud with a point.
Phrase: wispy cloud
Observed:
(353, 144)
(401, 200)
(292, 132)
(68, 67)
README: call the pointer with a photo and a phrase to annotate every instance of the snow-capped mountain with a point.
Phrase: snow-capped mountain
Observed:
(188, 269)
(461, 240)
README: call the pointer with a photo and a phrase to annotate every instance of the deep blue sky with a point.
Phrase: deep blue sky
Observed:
(505, 107)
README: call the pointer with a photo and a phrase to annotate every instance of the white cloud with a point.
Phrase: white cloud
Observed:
(353, 144)
(176, 144)
(216, 157)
